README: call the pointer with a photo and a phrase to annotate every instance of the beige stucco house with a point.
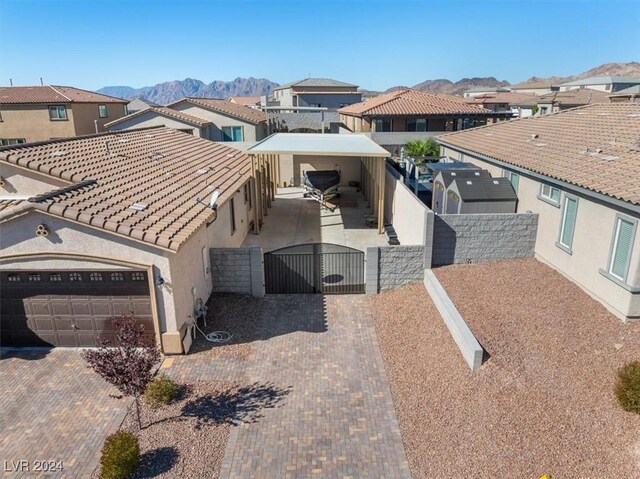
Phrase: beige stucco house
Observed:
(40, 113)
(162, 116)
(579, 170)
(110, 224)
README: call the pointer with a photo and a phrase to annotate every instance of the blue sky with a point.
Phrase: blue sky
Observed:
(375, 44)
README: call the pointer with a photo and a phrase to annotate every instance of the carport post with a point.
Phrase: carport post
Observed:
(381, 178)
(256, 221)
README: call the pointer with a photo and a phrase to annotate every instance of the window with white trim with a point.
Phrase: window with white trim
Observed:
(568, 223)
(550, 194)
(621, 247)
(232, 133)
(57, 112)
(514, 179)
(102, 111)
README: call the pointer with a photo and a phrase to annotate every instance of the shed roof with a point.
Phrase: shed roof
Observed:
(448, 176)
(316, 144)
(485, 189)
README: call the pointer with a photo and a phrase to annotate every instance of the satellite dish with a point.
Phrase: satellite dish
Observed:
(213, 202)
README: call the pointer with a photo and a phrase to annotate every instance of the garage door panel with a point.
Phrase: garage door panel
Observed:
(63, 308)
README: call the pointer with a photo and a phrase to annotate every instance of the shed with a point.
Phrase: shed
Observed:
(444, 178)
(480, 195)
(358, 157)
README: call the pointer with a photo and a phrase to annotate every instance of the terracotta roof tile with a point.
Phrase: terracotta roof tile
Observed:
(578, 97)
(412, 102)
(245, 100)
(503, 97)
(162, 168)
(227, 107)
(596, 147)
(163, 111)
(52, 94)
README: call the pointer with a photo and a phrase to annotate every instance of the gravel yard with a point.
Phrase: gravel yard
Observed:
(542, 403)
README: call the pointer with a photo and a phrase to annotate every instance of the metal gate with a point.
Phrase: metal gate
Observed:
(314, 268)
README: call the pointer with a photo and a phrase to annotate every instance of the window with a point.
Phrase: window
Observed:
(117, 277)
(543, 110)
(75, 277)
(95, 276)
(11, 141)
(137, 276)
(549, 194)
(15, 277)
(55, 277)
(232, 133)
(621, 246)
(102, 111)
(568, 223)
(34, 276)
(513, 178)
(57, 112)
(382, 124)
(232, 212)
(126, 110)
(417, 124)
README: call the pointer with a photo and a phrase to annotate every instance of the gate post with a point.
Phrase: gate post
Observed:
(257, 271)
(372, 272)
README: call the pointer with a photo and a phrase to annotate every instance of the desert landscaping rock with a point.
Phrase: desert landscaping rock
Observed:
(542, 403)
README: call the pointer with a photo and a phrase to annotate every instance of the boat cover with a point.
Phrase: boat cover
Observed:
(322, 180)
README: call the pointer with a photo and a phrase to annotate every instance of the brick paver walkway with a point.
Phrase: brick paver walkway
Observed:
(53, 408)
(338, 419)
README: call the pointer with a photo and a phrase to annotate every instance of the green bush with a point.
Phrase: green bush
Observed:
(627, 388)
(160, 390)
(120, 455)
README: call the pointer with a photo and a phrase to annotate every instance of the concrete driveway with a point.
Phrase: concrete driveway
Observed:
(52, 408)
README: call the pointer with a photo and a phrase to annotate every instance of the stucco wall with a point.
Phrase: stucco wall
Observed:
(591, 243)
(86, 114)
(409, 216)
(32, 123)
(150, 118)
(22, 183)
(484, 237)
(252, 132)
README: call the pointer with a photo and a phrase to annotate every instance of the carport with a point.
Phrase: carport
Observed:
(344, 149)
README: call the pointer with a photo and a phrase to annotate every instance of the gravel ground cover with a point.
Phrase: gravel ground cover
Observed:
(542, 403)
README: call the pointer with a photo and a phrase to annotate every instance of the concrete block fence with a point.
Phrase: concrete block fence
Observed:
(237, 270)
(390, 267)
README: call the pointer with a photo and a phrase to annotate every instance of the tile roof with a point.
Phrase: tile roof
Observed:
(164, 169)
(596, 147)
(412, 102)
(601, 81)
(227, 108)
(245, 100)
(503, 97)
(162, 111)
(579, 97)
(316, 82)
(52, 94)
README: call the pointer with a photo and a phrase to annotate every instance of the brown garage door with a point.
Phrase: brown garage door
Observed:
(69, 308)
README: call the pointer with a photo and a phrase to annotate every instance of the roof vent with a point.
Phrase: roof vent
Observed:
(534, 136)
(598, 150)
(496, 182)
(634, 115)
(453, 173)
(138, 206)
(477, 173)
(469, 182)
(58, 153)
(610, 158)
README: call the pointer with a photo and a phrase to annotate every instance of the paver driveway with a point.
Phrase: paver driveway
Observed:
(53, 408)
(338, 418)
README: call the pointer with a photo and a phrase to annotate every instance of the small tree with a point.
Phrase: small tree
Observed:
(428, 147)
(534, 109)
(128, 364)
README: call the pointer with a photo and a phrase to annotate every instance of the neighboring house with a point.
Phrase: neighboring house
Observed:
(250, 101)
(229, 121)
(393, 118)
(579, 170)
(139, 104)
(38, 113)
(470, 93)
(541, 88)
(608, 84)
(629, 95)
(518, 104)
(161, 116)
(563, 100)
(315, 92)
(110, 224)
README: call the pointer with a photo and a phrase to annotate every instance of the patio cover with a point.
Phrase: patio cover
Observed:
(320, 144)
(265, 165)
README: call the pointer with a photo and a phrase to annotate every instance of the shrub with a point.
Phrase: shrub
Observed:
(120, 455)
(627, 387)
(160, 390)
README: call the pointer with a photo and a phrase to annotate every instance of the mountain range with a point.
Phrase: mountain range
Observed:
(171, 91)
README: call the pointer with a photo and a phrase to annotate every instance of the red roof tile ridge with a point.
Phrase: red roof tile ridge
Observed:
(59, 93)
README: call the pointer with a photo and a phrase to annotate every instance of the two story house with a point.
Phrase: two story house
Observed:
(610, 84)
(39, 113)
